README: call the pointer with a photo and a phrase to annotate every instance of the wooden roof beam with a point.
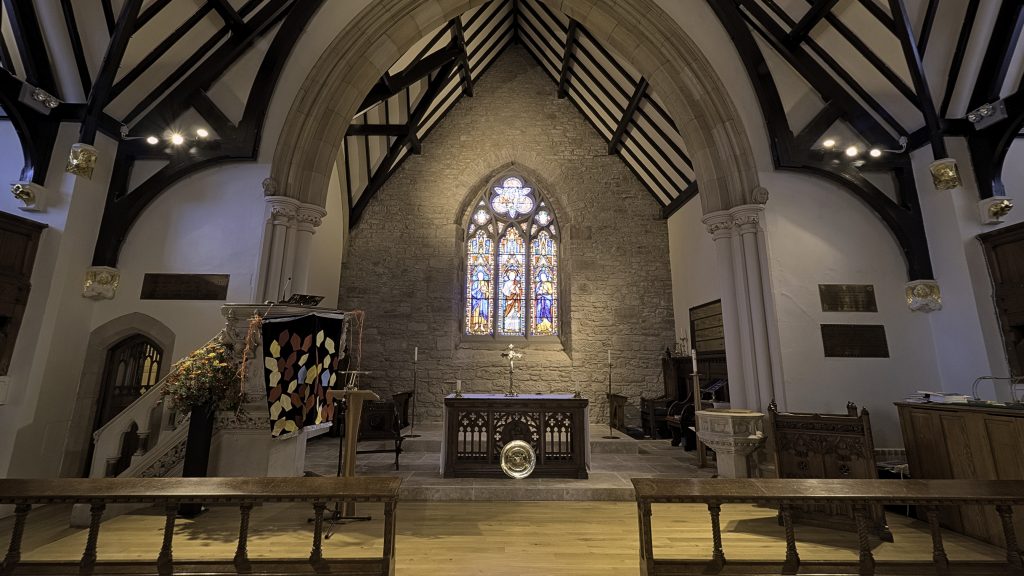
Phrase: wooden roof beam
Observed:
(570, 47)
(392, 85)
(231, 17)
(814, 14)
(627, 115)
(905, 33)
(996, 62)
(99, 97)
(465, 72)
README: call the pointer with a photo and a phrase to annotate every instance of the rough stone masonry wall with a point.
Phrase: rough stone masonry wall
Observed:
(404, 255)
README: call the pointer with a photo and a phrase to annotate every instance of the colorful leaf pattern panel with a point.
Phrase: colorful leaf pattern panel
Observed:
(301, 359)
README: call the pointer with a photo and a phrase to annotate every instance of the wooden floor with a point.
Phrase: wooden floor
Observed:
(492, 538)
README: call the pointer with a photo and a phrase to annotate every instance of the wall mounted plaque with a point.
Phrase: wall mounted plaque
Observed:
(707, 327)
(847, 298)
(185, 287)
(854, 341)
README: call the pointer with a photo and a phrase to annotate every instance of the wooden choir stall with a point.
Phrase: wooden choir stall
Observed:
(478, 426)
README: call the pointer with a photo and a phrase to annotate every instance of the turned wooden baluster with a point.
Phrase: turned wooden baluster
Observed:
(389, 537)
(166, 558)
(867, 560)
(792, 563)
(242, 552)
(317, 553)
(938, 552)
(717, 554)
(14, 549)
(89, 554)
(1012, 549)
(646, 545)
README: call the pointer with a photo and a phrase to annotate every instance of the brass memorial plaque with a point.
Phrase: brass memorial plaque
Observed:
(847, 298)
(185, 287)
(854, 341)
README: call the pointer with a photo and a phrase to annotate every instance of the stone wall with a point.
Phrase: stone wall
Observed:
(404, 256)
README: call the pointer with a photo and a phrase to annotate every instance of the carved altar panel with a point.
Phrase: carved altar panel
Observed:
(478, 426)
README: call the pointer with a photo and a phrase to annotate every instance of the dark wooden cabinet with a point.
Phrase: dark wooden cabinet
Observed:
(1004, 252)
(676, 377)
(965, 443)
(19, 239)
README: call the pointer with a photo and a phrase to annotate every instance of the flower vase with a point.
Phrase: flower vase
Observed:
(197, 453)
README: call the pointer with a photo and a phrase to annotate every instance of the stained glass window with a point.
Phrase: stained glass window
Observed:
(511, 264)
(511, 300)
(479, 295)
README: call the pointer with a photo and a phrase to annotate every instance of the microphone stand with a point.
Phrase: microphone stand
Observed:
(611, 434)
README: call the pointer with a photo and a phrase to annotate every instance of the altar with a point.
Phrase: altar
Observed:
(477, 427)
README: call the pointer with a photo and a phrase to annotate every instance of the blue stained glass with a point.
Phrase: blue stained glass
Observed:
(544, 285)
(479, 269)
(511, 270)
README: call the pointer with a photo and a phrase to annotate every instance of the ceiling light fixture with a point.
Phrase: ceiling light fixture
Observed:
(830, 143)
(852, 151)
(202, 133)
(152, 140)
(177, 139)
(875, 152)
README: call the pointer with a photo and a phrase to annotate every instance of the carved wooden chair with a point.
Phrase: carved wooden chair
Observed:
(827, 446)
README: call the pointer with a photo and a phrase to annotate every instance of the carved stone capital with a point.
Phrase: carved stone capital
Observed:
(719, 224)
(101, 282)
(81, 160)
(31, 194)
(924, 296)
(282, 209)
(310, 216)
(993, 210)
(945, 174)
(747, 218)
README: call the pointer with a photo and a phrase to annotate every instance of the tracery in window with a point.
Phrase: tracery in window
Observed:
(512, 264)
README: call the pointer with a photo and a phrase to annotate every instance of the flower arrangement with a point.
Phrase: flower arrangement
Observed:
(202, 379)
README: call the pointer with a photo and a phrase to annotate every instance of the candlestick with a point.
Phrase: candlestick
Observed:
(693, 359)
(609, 356)
(416, 354)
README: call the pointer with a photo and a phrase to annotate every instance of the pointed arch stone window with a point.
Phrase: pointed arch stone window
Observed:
(512, 265)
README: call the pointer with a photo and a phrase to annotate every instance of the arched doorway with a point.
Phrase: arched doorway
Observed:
(132, 367)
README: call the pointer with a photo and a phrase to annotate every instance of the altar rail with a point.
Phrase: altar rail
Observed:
(169, 493)
(784, 494)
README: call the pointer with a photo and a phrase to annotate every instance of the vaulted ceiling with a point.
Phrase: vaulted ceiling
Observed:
(863, 73)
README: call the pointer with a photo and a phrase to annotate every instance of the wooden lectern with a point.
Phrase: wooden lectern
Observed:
(353, 413)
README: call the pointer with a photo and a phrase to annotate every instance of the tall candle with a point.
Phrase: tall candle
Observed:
(416, 354)
(458, 386)
(693, 358)
(609, 356)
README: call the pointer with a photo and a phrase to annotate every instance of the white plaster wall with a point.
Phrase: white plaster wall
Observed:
(327, 248)
(209, 223)
(51, 345)
(818, 233)
(967, 337)
(694, 267)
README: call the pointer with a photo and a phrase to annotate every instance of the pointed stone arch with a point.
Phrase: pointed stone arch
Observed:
(640, 30)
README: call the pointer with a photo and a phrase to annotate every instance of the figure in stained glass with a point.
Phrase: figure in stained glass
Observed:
(511, 261)
(544, 265)
(480, 266)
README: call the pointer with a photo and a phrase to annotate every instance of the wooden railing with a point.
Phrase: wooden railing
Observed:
(169, 493)
(784, 494)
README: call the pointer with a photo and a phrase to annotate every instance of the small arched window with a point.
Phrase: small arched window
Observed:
(512, 264)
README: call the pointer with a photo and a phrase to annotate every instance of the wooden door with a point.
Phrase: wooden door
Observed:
(1004, 251)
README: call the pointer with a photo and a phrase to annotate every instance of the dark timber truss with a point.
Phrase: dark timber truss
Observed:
(897, 102)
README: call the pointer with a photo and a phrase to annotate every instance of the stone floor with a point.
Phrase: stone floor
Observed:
(612, 464)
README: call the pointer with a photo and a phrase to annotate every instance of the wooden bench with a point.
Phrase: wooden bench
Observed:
(170, 493)
(787, 493)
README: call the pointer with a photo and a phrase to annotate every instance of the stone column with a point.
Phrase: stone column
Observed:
(309, 218)
(720, 225)
(281, 212)
(747, 309)
(747, 218)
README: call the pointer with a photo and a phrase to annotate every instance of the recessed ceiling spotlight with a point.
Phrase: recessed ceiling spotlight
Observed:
(152, 140)
(852, 151)
(202, 133)
(830, 143)
(875, 152)
(177, 139)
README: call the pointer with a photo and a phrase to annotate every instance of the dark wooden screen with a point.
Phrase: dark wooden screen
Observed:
(1004, 251)
(19, 239)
